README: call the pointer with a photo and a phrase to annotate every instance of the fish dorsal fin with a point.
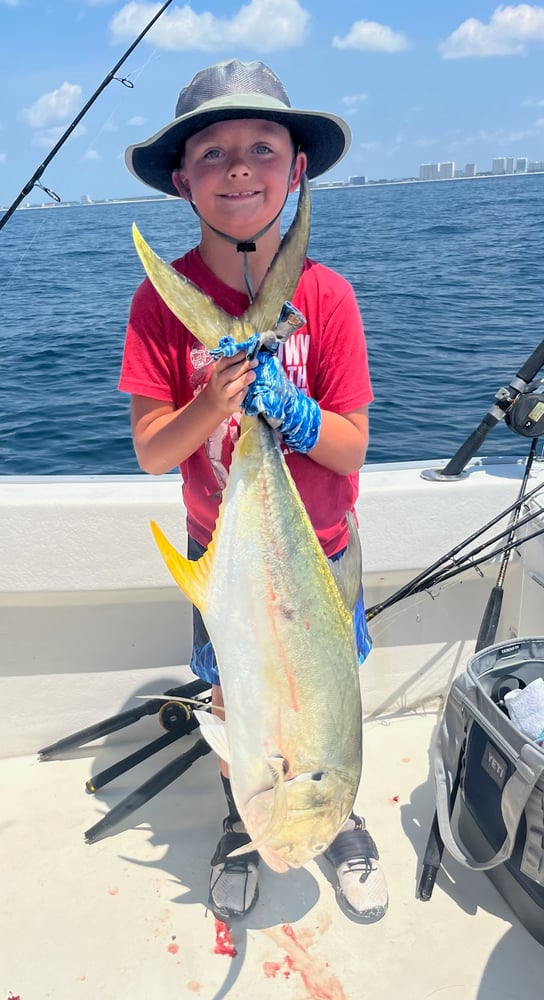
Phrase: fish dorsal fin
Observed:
(215, 733)
(191, 576)
(199, 313)
(348, 570)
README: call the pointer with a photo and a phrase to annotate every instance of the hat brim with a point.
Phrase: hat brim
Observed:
(324, 138)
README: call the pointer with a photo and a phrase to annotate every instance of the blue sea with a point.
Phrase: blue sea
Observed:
(449, 277)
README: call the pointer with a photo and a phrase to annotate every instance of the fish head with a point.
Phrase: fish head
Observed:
(292, 823)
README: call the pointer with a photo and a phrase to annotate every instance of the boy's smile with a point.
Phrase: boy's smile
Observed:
(237, 173)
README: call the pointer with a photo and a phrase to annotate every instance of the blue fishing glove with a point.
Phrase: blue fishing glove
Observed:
(283, 406)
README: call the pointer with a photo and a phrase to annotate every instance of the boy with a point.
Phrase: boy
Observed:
(235, 151)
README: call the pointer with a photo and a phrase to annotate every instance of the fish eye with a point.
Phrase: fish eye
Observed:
(317, 775)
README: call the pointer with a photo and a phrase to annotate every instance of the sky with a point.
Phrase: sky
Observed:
(417, 82)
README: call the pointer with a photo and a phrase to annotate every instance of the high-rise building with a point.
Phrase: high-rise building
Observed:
(470, 170)
(446, 171)
(510, 166)
(521, 165)
(357, 180)
(429, 171)
(499, 165)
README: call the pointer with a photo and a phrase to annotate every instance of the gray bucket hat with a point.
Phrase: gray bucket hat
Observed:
(231, 90)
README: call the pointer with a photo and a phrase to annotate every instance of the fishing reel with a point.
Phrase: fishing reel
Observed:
(525, 414)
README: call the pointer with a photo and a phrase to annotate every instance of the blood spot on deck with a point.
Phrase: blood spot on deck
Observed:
(271, 969)
(223, 940)
(113, 891)
(193, 987)
(173, 948)
(318, 981)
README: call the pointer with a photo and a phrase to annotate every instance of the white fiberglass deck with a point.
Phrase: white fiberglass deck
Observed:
(126, 916)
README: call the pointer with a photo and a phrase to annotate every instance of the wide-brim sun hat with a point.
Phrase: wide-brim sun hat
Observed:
(225, 92)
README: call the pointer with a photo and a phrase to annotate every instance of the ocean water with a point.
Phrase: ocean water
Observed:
(449, 278)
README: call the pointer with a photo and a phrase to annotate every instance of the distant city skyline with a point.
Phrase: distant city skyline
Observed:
(500, 165)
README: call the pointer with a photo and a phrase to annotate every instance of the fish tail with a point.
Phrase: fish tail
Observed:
(192, 576)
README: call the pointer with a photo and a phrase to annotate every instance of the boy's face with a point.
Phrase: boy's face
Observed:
(237, 173)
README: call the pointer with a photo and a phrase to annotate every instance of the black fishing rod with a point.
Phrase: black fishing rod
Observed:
(469, 560)
(486, 637)
(523, 419)
(35, 179)
(429, 576)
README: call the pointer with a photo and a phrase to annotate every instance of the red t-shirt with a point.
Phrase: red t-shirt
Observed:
(327, 358)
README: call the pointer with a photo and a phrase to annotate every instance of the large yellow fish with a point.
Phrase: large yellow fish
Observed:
(280, 617)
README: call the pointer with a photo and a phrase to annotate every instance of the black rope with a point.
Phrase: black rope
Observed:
(34, 180)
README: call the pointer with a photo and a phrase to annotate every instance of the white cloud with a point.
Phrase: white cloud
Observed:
(136, 120)
(48, 137)
(9, 3)
(3, 158)
(508, 33)
(373, 37)
(91, 154)
(59, 105)
(531, 102)
(261, 25)
(499, 138)
(351, 100)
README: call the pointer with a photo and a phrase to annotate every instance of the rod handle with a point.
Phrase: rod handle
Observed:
(533, 364)
(470, 446)
(490, 620)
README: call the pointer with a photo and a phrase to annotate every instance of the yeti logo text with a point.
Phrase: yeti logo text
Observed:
(494, 765)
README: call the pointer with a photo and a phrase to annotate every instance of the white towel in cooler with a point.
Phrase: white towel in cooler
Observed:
(526, 708)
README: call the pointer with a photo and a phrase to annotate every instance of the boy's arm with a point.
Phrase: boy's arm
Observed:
(343, 441)
(164, 437)
(336, 441)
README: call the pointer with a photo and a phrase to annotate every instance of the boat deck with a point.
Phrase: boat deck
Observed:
(126, 916)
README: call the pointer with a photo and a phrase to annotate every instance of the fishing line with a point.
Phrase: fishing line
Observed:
(34, 180)
(129, 81)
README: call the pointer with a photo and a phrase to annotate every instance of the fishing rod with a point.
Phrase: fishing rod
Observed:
(35, 179)
(429, 576)
(517, 403)
(487, 635)
(469, 561)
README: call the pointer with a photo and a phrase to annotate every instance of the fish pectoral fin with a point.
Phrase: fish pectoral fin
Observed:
(191, 576)
(278, 767)
(215, 733)
(272, 859)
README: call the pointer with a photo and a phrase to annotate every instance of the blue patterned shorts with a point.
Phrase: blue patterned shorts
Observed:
(203, 662)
